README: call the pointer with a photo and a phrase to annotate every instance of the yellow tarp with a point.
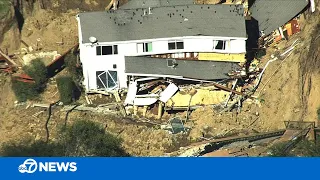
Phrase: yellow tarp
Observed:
(222, 57)
(201, 97)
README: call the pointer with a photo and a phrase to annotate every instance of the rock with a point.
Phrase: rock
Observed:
(296, 110)
(38, 137)
(30, 49)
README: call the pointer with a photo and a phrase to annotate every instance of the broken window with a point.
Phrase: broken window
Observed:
(107, 50)
(175, 45)
(144, 47)
(112, 77)
(219, 45)
(107, 79)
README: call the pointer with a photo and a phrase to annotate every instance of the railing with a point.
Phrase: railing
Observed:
(298, 125)
(304, 128)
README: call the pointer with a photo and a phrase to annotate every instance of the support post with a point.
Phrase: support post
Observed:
(135, 110)
(145, 109)
(160, 110)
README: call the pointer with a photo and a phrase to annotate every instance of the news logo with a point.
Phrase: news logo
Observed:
(30, 166)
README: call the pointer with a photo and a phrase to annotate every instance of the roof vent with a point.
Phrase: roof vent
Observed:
(172, 63)
(150, 10)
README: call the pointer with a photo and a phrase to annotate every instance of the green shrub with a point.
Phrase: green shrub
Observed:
(66, 89)
(38, 72)
(82, 138)
(318, 113)
(279, 150)
(308, 148)
(86, 138)
(31, 149)
(72, 66)
(4, 8)
(24, 91)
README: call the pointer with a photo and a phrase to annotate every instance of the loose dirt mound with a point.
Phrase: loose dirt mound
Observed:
(208, 123)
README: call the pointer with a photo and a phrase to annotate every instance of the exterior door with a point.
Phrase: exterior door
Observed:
(107, 80)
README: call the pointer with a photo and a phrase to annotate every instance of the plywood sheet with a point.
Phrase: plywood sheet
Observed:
(222, 57)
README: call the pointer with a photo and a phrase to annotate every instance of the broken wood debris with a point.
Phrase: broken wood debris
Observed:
(41, 105)
(187, 95)
(8, 59)
(111, 109)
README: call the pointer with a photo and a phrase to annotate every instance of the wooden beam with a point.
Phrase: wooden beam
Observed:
(7, 58)
(223, 88)
(24, 43)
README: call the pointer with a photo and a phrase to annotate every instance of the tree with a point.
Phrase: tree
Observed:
(82, 138)
(86, 138)
(279, 150)
(73, 67)
(66, 89)
(318, 113)
(303, 148)
(38, 72)
(38, 148)
(308, 148)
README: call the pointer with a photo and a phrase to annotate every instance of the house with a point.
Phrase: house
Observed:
(182, 41)
(271, 14)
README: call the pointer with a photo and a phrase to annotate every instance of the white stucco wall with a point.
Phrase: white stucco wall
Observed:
(191, 44)
(92, 63)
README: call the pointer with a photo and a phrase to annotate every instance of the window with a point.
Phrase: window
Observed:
(144, 47)
(175, 45)
(107, 79)
(107, 50)
(219, 45)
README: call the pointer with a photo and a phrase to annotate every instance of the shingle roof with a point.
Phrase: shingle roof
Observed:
(164, 22)
(272, 14)
(194, 69)
(134, 4)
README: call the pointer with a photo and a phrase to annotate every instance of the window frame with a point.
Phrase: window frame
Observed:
(224, 46)
(176, 45)
(99, 50)
(107, 76)
(145, 48)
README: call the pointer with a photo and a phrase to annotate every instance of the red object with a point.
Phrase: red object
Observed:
(24, 78)
(295, 26)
